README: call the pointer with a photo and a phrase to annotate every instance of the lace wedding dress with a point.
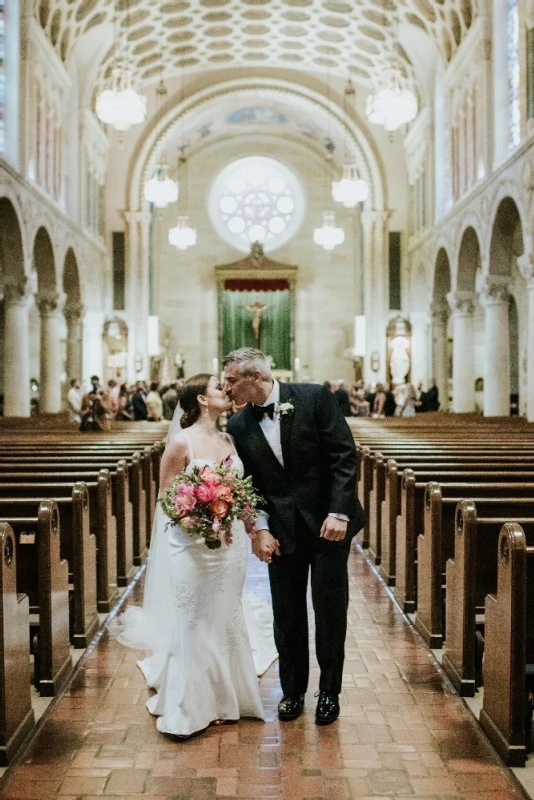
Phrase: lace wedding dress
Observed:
(194, 622)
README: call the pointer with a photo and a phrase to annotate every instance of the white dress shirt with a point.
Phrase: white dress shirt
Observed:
(271, 431)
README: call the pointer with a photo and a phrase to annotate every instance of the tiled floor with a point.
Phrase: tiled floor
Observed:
(402, 733)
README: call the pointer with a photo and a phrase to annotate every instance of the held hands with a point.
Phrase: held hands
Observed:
(264, 545)
(333, 529)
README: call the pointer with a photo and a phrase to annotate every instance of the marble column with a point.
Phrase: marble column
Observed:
(49, 381)
(74, 318)
(16, 350)
(137, 292)
(526, 265)
(375, 288)
(419, 322)
(440, 351)
(496, 298)
(463, 356)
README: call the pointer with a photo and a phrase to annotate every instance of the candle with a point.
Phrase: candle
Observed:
(215, 365)
(297, 365)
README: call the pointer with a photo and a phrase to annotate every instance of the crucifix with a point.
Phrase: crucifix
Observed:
(257, 309)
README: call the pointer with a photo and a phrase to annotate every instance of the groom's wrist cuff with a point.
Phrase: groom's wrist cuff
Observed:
(262, 523)
(339, 516)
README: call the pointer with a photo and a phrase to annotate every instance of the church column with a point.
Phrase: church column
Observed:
(375, 287)
(137, 236)
(440, 352)
(419, 322)
(463, 357)
(526, 264)
(73, 317)
(497, 348)
(16, 350)
(49, 382)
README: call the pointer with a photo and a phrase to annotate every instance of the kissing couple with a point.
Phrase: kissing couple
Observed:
(207, 642)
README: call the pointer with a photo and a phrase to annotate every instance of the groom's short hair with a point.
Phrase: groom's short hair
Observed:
(249, 360)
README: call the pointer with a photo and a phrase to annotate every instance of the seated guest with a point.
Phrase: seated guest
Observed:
(389, 403)
(124, 411)
(342, 397)
(410, 401)
(154, 404)
(430, 400)
(379, 401)
(169, 399)
(138, 402)
(359, 405)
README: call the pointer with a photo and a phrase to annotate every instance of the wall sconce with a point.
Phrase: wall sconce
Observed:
(375, 360)
(138, 362)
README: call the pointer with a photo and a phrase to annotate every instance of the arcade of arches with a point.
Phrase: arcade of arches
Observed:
(82, 253)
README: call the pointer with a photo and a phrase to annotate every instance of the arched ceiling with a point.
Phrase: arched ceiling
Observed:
(170, 36)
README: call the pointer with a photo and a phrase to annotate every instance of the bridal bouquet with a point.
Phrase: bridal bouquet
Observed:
(207, 500)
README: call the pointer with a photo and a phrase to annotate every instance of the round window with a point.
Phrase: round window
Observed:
(256, 199)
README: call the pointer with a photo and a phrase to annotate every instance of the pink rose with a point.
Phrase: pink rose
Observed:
(188, 522)
(209, 476)
(206, 493)
(219, 508)
(223, 493)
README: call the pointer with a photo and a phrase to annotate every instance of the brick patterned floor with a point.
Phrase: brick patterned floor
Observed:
(402, 733)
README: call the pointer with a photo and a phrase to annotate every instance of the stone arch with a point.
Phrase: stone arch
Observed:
(71, 278)
(73, 316)
(440, 322)
(14, 355)
(146, 155)
(469, 260)
(506, 241)
(44, 263)
(442, 276)
(11, 242)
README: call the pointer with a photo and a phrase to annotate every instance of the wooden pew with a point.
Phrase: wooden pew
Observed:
(131, 525)
(437, 542)
(42, 575)
(16, 714)
(410, 518)
(103, 523)
(78, 547)
(121, 505)
(509, 649)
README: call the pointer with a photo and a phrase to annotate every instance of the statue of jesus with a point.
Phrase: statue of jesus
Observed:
(257, 308)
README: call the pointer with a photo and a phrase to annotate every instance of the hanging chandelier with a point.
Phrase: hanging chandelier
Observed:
(328, 235)
(183, 236)
(121, 106)
(351, 189)
(391, 106)
(160, 189)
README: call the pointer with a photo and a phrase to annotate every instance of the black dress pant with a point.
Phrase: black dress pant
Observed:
(288, 575)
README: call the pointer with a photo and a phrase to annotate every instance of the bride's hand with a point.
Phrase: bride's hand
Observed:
(264, 545)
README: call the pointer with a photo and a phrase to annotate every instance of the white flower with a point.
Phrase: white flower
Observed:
(284, 409)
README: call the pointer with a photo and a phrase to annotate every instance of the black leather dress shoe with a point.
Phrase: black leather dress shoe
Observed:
(290, 707)
(327, 709)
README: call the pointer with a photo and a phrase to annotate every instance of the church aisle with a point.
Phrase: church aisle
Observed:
(402, 733)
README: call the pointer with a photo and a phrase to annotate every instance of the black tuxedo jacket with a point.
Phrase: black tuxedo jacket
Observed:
(319, 472)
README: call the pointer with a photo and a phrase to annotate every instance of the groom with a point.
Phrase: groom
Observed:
(297, 446)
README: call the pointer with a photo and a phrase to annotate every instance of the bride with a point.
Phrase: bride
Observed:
(193, 624)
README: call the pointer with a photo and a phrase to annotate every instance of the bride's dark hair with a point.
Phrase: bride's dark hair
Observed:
(189, 392)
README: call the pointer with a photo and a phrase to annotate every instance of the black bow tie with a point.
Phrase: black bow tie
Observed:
(260, 411)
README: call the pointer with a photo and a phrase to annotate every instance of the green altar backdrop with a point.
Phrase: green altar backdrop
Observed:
(275, 323)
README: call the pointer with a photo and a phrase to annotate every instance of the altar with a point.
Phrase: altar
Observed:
(256, 308)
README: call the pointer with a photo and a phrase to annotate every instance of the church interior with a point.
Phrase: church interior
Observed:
(347, 185)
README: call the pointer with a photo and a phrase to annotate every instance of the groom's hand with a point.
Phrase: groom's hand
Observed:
(264, 545)
(334, 529)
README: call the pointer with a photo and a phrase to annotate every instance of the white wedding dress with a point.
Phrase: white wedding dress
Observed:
(194, 623)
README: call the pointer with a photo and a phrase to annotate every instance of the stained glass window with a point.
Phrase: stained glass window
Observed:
(2, 77)
(514, 108)
(256, 199)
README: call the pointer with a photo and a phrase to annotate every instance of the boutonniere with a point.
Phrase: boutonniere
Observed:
(285, 409)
